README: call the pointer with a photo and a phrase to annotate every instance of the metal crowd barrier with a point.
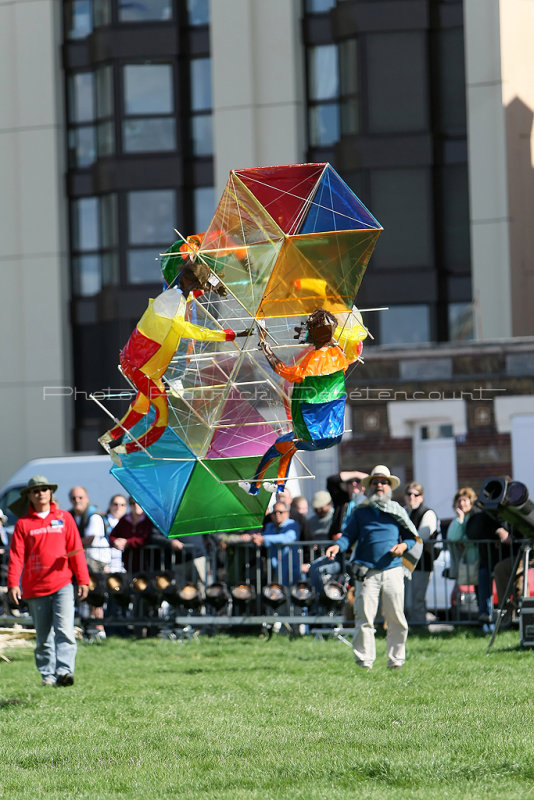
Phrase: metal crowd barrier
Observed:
(237, 584)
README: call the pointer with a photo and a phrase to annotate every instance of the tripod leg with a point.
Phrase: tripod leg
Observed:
(526, 559)
(505, 600)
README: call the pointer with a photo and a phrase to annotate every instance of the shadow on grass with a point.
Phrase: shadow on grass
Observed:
(10, 701)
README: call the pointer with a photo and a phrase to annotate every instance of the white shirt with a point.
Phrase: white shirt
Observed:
(99, 547)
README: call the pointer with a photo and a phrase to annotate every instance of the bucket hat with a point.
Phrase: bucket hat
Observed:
(20, 506)
(38, 481)
(321, 499)
(380, 471)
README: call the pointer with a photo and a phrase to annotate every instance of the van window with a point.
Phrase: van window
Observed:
(9, 497)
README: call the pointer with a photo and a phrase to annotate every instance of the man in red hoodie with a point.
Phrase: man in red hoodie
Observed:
(46, 550)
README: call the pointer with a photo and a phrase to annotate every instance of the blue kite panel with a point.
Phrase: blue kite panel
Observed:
(335, 207)
(158, 483)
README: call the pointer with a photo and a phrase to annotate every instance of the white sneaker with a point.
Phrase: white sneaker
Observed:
(249, 488)
(270, 487)
(48, 681)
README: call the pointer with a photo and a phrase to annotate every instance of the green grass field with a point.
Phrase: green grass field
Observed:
(241, 717)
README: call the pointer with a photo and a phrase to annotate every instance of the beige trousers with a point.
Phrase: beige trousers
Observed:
(385, 587)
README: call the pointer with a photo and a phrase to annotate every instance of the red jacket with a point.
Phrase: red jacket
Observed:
(38, 552)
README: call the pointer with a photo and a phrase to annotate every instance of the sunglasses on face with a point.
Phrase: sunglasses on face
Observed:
(378, 481)
(41, 489)
(413, 494)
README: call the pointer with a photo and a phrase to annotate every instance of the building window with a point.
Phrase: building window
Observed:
(402, 200)
(149, 122)
(148, 89)
(147, 10)
(201, 107)
(455, 245)
(87, 274)
(78, 19)
(198, 12)
(461, 322)
(90, 114)
(349, 87)
(406, 324)
(333, 92)
(451, 109)
(323, 95)
(319, 6)
(151, 223)
(105, 127)
(397, 82)
(436, 430)
(94, 244)
(204, 206)
(81, 117)
(102, 13)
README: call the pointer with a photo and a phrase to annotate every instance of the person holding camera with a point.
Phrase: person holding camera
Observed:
(385, 541)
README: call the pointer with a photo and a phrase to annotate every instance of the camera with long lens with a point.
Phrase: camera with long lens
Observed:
(509, 501)
(358, 572)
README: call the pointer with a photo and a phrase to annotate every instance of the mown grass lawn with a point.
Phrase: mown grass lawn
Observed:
(240, 717)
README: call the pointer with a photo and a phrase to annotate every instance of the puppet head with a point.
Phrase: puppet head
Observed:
(321, 325)
(182, 265)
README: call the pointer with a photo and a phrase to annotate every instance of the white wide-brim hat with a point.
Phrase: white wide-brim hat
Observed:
(380, 471)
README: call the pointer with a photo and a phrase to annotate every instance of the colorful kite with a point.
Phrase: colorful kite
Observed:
(284, 241)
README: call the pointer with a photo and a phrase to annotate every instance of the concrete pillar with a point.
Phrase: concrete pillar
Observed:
(33, 266)
(258, 94)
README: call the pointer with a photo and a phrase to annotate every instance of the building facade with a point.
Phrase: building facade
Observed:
(122, 121)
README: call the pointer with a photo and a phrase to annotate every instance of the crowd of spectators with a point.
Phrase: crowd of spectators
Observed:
(297, 541)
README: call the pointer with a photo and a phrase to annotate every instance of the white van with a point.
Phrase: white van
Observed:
(92, 472)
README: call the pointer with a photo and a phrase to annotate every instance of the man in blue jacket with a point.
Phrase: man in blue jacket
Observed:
(384, 542)
(277, 535)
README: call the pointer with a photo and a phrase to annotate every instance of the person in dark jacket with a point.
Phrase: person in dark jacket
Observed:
(347, 491)
(481, 526)
(427, 524)
(130, 535)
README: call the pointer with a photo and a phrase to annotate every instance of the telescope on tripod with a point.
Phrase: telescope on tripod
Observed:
(508, 500)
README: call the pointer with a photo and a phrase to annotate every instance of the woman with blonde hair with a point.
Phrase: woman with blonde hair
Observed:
(464, 555)
(484, 538)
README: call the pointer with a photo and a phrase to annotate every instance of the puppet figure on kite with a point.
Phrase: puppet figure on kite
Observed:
(209, 416)
(149, 350)
(318, 398)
